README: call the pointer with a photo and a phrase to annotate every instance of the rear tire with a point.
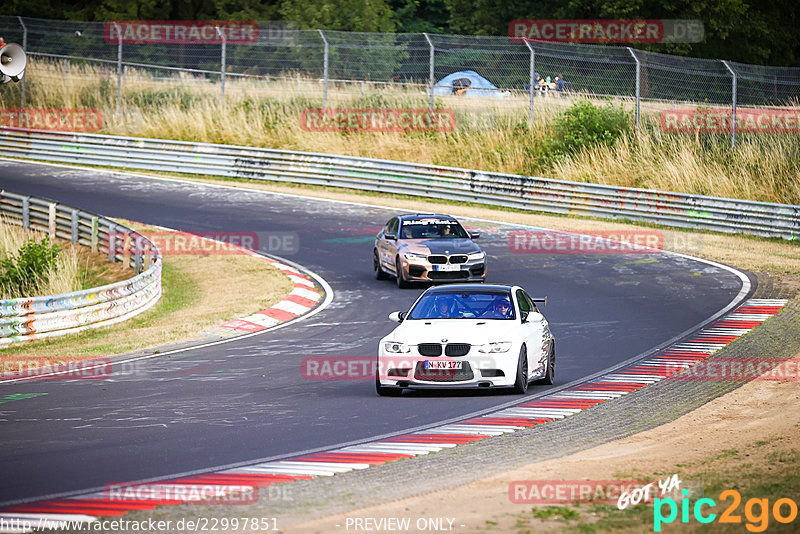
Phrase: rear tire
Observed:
(401, 282)
(521, 383)
(550, 375)
(380, 274)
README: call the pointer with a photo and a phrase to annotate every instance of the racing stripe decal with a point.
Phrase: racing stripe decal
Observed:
(526, 414)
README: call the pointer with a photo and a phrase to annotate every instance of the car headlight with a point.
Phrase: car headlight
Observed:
(412, 256)
(395, 347)
(476, 255)
(496, 346)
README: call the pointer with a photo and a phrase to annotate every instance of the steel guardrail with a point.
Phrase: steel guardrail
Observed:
(516, 191)
(24, 319)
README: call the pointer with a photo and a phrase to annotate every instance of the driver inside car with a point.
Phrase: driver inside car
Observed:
(499, 309)
(442, 307)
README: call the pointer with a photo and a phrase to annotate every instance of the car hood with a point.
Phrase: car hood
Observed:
(472, 331)
(439, 246)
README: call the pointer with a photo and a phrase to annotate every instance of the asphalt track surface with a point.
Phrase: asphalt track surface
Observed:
(247, 399)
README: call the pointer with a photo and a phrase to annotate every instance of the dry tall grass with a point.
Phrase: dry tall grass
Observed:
(491, 134)
(65, 277)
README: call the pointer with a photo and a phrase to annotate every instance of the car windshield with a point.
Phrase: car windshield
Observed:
(464, 304)
(432, 229)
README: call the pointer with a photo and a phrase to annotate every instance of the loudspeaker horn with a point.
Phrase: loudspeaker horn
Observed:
(12, 62)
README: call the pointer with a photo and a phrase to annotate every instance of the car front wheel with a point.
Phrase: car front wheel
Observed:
(401, 281)
(383, 391)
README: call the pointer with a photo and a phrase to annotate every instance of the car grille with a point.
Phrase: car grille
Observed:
(458, 258)
(442, 375)
(456, 349)
(430, 349)
(448, 275)
(438, 260)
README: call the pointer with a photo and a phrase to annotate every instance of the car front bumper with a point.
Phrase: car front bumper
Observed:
(418, 270)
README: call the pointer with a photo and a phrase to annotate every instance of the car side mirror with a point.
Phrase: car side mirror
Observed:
(532, 317)
(397, 316)
(391, 237)
(474, 235)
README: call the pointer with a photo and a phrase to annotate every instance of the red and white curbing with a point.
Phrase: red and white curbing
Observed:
(301, 300)
(558, 405)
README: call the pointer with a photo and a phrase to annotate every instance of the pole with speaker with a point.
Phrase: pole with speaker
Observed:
(12, 62)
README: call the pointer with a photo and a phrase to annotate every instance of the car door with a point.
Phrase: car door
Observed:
(541, 332)
(387, 248)
(530, 329)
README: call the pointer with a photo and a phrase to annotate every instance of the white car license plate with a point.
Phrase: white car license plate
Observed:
(448, 267)
(442, 365)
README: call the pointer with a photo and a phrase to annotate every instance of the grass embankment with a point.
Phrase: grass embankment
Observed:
(491, 134)
(193, 301)
(75, 267)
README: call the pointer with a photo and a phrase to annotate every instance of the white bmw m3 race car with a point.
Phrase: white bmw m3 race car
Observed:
(467, 336)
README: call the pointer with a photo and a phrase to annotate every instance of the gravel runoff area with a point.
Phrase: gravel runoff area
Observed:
(654, 405)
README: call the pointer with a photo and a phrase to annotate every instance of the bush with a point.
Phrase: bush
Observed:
(585, 125)
(30, 269)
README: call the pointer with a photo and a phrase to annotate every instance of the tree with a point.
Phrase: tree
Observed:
(344, 15)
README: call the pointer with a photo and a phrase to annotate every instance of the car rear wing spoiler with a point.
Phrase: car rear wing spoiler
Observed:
(540, 300)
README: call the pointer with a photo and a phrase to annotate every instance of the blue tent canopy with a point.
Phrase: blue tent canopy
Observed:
(466, 82)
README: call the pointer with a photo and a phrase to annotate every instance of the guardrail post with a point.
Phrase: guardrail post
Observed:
(26, 213)
(112, 244)
(733, 103)
(137, 254)
(24, 47)
(51, 220)
(324, 72)
(126, 250)
(74, 226)
(147, 256)
(532, 81)
(638, 84)
(119, 64)
(431, 65)
(222, 61)
(94, 234)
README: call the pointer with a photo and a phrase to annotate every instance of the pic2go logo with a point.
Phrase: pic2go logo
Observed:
(756, 511)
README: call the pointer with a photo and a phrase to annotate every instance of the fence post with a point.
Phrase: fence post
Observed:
(733, 103)
(51, 220)
(222, 61)
(531, 81)
(94, 234)
(26, 213)
(137, 254)
(324, 72)
(119, 64)
(24, 47)
(638, 84)
(431, 73)
(74, 226)
(112, 244)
